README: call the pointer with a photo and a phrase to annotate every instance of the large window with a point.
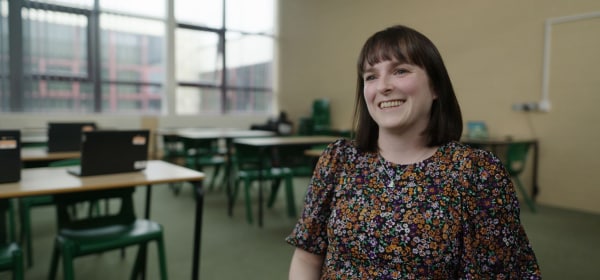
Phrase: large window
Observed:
(109, 56)
(224, 56)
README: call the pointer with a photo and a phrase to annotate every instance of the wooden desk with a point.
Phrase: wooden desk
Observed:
(315, 153)
(265, 143)
(494, 144)
(29, 154)
(56, 180)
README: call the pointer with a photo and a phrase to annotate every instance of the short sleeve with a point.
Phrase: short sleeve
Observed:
(310, 232)
(495, 245)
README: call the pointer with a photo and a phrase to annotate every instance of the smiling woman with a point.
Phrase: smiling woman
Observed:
(406, 200)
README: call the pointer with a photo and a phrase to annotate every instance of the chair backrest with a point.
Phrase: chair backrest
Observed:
(120, 218)
(321, 115)
(516, 155)
(7, 222)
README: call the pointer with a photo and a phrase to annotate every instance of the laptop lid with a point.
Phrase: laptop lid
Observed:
(10, 156)
(66, 136)
(113, 151)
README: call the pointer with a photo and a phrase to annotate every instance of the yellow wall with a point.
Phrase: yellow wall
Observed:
(494, 53)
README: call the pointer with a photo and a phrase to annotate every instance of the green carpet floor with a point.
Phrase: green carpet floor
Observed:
(566, 242)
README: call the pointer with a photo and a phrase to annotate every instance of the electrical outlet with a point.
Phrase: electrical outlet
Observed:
(526, 107)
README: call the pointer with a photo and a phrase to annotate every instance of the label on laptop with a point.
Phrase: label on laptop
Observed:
(87, 128)
(140, 164)
(6, 144)
(139, 140)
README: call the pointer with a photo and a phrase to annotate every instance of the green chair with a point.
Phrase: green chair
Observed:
(516, 156)
(195, 154)
(11, 256)
(202, 153)
(81, 236)
(293, 157)
(27, 203)
(321, 117)
(249, 169)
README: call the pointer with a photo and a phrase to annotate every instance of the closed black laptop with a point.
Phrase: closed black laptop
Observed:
(112, 151)
(10, 156)
(66, 136)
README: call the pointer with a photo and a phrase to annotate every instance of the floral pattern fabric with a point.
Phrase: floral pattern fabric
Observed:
(454, 215)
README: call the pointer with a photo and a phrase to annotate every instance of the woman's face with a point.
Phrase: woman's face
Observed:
(398, 96)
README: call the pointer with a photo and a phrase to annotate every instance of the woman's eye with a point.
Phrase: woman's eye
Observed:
(400, 71)
(369, 77)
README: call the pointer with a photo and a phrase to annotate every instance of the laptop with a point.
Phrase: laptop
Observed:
(10, 156)
(66, 136)
(112, 151)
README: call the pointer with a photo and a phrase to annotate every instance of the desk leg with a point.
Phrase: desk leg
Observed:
(199, 192)
(260, 185)
(143, 251)
(229, 175)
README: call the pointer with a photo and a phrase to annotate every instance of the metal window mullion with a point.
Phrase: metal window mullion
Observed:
(15, 33)
(224, 58)
(94, 55)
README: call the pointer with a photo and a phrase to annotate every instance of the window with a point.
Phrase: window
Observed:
(109, 56)
(224, 53)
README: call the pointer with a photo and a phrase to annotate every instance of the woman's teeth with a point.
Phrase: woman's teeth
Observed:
(388, 104)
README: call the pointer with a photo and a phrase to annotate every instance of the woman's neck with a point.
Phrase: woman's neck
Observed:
(403, 148)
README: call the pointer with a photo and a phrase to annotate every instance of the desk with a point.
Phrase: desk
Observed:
(494, 143)
(265, 143)
(227, 134)
(56, 180)
(30, 154)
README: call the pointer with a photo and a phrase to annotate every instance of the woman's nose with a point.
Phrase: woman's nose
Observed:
(384, 85)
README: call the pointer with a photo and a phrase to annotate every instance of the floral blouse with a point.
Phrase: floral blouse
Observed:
(454, 215)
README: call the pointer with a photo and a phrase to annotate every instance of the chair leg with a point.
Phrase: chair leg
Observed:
(526, 196)
(54, 262)
(67, 256)
(274, 190)
(214, 177)
(248, 185)
(25, 214)
(289, 193)
(138, 265)
(18, 265)
(162, 259)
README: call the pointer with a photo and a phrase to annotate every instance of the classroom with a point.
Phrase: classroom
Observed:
(524, 68)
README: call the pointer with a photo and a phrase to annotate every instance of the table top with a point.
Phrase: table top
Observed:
(54, 180)
(214, 133)
(313, 152)
(287, 140)
(34, 139)
(41, 154)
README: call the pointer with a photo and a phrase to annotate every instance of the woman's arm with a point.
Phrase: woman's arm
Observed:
(495, 244)
(305, 265)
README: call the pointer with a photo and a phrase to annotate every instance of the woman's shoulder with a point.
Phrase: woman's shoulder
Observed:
(463, 152)
(342, 151)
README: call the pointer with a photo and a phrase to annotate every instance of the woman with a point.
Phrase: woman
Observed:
(405, 200)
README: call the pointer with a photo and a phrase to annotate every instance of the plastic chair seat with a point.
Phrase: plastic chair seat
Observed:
(89, 241)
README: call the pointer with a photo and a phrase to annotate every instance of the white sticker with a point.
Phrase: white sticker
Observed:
(87, 128)
(139, 140)
(6, 144)
(140, 164)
